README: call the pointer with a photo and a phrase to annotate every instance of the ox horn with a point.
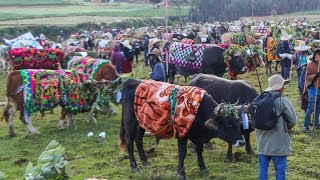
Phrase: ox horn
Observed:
(237, 102)
(244, 108)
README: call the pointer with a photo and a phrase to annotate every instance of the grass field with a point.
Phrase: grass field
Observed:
(32, 2)
(92, 156)
(121, 10)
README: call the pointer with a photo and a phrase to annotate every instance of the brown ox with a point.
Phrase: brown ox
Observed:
(229, 38)
(15, 101)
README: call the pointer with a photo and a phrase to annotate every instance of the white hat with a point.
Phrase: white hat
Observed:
(285, 37)
(302, 46)
(126, 43)
(276, 82)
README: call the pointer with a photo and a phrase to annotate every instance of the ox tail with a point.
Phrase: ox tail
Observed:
(5, 111)
(122, 132)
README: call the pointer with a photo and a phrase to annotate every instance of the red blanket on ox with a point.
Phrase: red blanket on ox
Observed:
(32, 58)
(154, 110)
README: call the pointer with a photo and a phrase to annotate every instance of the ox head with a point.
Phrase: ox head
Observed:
(104, 87)
(227, 124)
(237, 64)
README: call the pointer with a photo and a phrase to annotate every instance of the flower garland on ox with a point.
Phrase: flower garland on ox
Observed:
(88, 65)
(45, 89)
(32, 58)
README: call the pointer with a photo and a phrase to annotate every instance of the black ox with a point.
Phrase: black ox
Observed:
(209, 123)
(213, 62)
(231, 92)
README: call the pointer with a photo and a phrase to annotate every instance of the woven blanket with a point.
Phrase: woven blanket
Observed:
(31, 58)
(88, 65)
(179, 53)
(154, 111)
(45, 89)
(262, 30)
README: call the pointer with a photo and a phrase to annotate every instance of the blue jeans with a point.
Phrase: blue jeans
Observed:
(146, 60)
(310, 109)
(280, 166)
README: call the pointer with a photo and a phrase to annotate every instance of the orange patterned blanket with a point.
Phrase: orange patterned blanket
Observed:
(153, 108)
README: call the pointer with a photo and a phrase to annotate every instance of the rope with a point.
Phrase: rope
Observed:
(173, 102)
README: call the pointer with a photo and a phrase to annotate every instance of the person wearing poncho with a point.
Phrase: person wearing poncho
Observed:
(312, 84)
(300, 61)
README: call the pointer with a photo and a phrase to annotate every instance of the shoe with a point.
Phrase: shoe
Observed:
(305, 130)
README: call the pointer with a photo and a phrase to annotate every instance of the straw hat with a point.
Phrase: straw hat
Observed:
(156, 52)
(276, 82)
(154, 41)
(285, 37)
(302, 46)
(126, 43)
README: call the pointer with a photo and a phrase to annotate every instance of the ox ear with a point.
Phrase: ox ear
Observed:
(210, 124)
(219, 110)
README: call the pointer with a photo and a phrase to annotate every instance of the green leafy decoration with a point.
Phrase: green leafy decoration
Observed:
(230, 111)
(2, 176)
(52, 164)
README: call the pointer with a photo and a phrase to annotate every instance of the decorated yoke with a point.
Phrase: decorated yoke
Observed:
(32, 58)
(166, 110)
(88, 65)
(45, 89)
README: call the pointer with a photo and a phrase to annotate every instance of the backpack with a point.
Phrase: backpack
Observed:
(263, 111)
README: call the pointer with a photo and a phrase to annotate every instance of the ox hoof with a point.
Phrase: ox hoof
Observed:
(12, 134)
(208, 145)
(182, 177)
(146, 164)
(204, 170)
(136, 169)
(36, 132)
(228, 159)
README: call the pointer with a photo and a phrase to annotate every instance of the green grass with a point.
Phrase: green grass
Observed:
(123, 10)
(90, 156)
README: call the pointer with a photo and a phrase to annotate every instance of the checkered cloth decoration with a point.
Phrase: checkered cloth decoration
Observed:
(262, 30)
(179, 53)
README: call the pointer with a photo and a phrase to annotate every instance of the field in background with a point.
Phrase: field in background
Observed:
(32, 2)
(75, 14)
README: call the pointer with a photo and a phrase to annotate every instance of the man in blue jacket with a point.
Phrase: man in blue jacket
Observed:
(157, 73)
